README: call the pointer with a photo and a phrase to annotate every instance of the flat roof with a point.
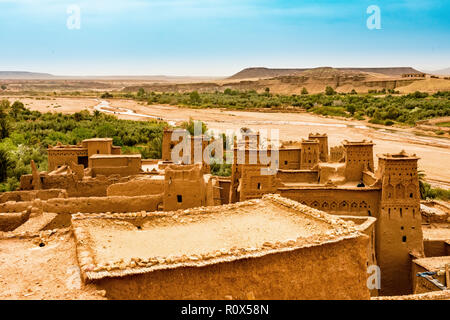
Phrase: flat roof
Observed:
(111, 245)
(433, 263)
(103, 156)
(97, 139)
(436, 231)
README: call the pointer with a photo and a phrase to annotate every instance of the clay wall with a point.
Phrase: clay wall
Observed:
(103, 204)
(399, 225)
(124, 165)
(289, 159)
(336, 153)
(310, 154)
(253, 184)
(323, 145)
(138, 187)
(354, 202)
(31, 195)
(435, 248)
(339, 272)
(184, 187)
(58, 157)
(98, 146)
(10, 221)
(298, 176)
(358, 158)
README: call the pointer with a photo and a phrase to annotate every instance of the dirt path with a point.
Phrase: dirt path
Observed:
(28, 271)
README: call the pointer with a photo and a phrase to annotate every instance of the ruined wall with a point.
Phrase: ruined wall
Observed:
(87, 187)
(103, 204)
(10, 221)
(31, 195)
(435, 248)
(339, 272)
(138, 187)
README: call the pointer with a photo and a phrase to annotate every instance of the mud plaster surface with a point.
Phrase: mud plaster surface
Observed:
(243, 228)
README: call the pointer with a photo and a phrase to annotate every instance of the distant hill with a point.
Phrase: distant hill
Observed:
(251, 73)
(442, 72)
(23, 75)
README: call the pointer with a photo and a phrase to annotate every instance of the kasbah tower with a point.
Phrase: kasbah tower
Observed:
(400, 232)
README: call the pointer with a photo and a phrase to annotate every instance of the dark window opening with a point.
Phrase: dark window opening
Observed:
(411, 195)
(402, 228)
(404, 239)
(179, 198)
(370, 213)
(84, 161)
(98, 151)
(285, 162)
(259, 186)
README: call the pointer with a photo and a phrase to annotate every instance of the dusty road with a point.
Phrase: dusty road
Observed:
(434, 152)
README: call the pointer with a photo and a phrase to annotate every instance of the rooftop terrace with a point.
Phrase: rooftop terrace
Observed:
(112, 245)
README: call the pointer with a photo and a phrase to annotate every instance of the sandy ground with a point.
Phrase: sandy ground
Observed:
(434, 152)
(30, 272)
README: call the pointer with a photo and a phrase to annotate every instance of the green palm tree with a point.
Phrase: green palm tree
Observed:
(422, 184)
(5, 164)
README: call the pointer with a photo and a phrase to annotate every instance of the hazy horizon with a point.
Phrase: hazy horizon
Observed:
(217, 38)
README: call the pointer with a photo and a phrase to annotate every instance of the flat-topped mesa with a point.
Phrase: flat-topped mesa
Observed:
(358, 158)
(250, 242)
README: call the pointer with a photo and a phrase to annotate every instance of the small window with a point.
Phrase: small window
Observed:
(402, 228)
(259, 186)
(370, 213)
(285, 162)
(404, 239)
(179, 198)
(411, 195)
(98, 151)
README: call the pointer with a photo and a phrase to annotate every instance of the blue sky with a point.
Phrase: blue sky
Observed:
(219, 37)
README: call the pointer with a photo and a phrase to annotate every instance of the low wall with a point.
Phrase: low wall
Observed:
(435, 248)
(307, 176)
(103, 204)
(10, 221)
(31, 195)
(140, 187)
(338, 272)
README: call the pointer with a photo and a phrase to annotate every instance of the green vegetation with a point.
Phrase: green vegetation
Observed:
(27, 134)
(386, 109)
(428, 192)
(443, 124)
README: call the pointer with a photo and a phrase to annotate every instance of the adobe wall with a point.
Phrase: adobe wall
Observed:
(139, 187)
(87, 187)
(354, 202)
(253, 185)
(289, 159)
(435, 248)
(224, 185)
(400, 222)
(10, 221)
(339, 272)
(184, 187)
(296, 176)
(31, 195)
(323, 145)
(64, 156)
(120, 165)
(358, 157)
(310, 154)
(337, 153)
(103, 204)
